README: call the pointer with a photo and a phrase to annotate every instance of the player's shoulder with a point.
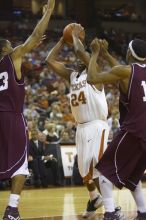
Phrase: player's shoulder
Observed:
(16, 52)
(5, 60)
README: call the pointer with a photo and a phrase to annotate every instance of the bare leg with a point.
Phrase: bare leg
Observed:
(11, 211)
(17, 184)
(90, 184)
(92, 190)
(95, 199)
(96, 181)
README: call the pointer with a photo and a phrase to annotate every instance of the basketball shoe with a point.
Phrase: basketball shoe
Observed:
(92, 206)
(11, 213)
(140, 216)
(119, 212)
(113, 216)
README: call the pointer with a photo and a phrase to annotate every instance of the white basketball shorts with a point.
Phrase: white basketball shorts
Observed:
(91, 142)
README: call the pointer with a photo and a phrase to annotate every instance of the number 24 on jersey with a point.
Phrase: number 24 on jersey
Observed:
(76, 99)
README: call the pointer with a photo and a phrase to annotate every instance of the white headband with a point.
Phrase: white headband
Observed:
(134, 54)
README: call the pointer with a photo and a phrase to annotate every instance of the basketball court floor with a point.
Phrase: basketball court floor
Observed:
(64, 203)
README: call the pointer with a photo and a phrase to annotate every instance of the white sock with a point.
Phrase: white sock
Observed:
(14, 200)
(139, 198)
(93, 194)
(106, 188)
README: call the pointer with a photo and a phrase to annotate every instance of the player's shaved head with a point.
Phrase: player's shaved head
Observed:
(5, 47)
(3, 43)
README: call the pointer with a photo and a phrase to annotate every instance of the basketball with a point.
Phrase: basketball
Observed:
(67, 34)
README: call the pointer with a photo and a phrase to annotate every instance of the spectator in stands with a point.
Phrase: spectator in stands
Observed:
(50, 131)
(71, 130)
(56, 113)
(39, 162)
(65, 138)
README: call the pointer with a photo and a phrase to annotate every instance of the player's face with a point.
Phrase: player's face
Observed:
(34, 134)
(8, 48)
(81, 66)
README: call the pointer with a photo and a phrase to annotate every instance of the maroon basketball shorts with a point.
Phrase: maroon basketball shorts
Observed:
(124, 161)
(13, 143)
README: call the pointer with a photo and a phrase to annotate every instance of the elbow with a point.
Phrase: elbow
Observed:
(91, 80)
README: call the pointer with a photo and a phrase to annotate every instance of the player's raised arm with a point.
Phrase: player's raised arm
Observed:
(92, 67)
(37, 34)
(78, 45)
(106, 55)
(117, 73)
(54, 64)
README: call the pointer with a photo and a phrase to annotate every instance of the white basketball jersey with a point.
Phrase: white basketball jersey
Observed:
(87, 103)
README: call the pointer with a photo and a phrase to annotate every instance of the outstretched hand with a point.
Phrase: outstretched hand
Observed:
(49, 6)
(104, 46)
(40, 42)
(95, 45)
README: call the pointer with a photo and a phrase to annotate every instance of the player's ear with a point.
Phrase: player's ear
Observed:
(4, 49)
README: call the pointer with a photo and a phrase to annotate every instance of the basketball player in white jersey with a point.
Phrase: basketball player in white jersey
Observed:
(89, 108)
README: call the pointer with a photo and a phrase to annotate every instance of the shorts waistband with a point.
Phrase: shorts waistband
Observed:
(91, 122)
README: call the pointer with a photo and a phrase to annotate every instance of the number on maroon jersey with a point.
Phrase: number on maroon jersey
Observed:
(4, 81)
(143, 83)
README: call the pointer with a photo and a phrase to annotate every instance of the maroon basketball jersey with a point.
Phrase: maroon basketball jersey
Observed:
(123, 109)
(135, 119)
(11, 90)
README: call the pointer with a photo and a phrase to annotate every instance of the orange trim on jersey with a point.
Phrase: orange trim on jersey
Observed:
(89, 176)
(101, 149)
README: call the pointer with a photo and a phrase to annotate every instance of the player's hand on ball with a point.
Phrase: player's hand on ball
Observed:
(68, 33)
(77, 29)
(95, 45)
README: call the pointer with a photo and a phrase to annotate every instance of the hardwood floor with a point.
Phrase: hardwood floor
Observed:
(66, 203)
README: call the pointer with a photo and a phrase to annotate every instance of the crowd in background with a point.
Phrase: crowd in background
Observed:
(125, 12)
